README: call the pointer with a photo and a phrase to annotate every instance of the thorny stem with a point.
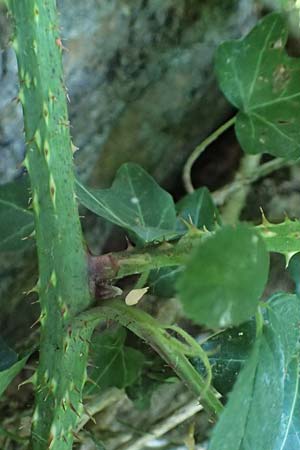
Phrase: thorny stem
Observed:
(130, 262)
(186, 175)
(63, 279)
(233, 208)
(280, 238)
(99, 403)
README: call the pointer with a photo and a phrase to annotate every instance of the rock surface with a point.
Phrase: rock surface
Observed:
(140, 80)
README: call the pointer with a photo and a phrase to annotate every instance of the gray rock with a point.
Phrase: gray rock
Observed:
(140, 80)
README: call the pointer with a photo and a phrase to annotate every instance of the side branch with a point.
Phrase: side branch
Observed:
(280, 238)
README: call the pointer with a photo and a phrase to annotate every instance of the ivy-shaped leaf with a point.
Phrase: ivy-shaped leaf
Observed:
(227, 352)
(16, 221)
(135, 202)
(263, 408)
(162, 281)
(225, 277)
(198, 209)
(113, 363)
(263, 82)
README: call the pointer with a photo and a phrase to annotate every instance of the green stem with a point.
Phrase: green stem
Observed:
(63, 281)
(270, 167)
(142, 280)
(233, 208)
(280, 238)
(154, 334)
(187, 180)
(221, 195)
(121, 264)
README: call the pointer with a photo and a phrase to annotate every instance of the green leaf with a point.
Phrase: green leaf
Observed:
(198, 208)
(135, 202)
(294, 271)
(227, 352)
(114, 364)
(225, 277)
(260, 79)
(16, 222)
(141, 391)
(162, 281)
(7, 356)
(7, 375)
(289, 430)
(282, 237)
(154, 375)
(261, 413)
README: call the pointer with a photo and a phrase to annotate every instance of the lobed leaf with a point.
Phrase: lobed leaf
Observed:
(135, 202)
(225, 277)
(16, 221)
(262, 409)
(227, 352)
(263, 82)
(198, 209)
(162, 281)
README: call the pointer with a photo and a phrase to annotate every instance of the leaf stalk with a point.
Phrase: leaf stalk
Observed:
(186, 174)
